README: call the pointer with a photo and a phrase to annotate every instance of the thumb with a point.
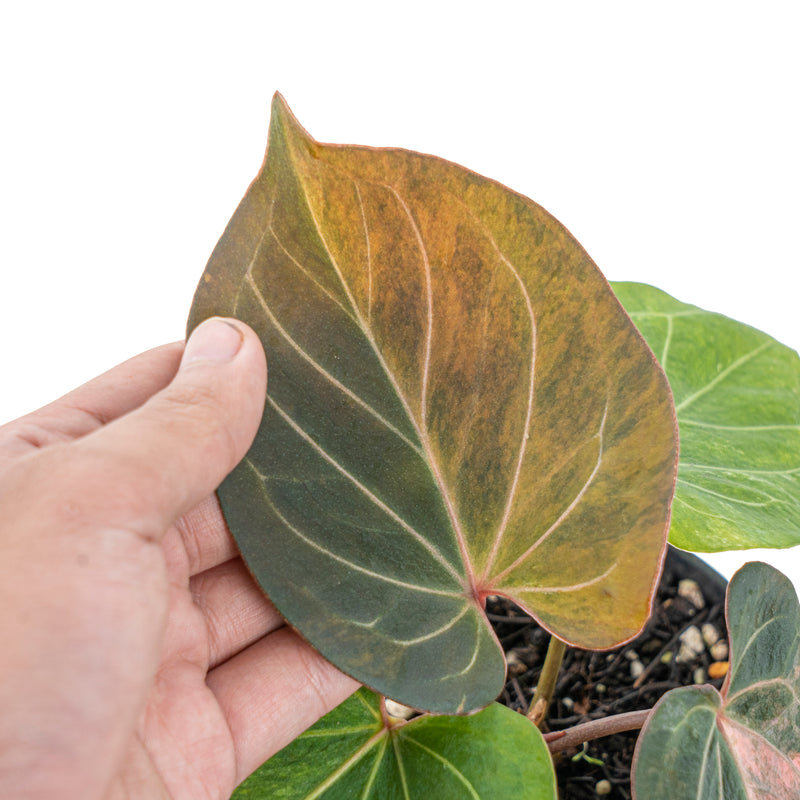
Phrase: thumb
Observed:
(76, 597)
(160, 460)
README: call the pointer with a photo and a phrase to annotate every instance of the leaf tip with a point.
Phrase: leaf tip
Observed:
(285, 124)
(279, 105)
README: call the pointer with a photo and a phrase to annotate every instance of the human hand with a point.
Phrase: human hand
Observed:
(139, 659)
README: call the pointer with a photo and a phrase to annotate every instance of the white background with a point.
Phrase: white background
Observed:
(665, 136)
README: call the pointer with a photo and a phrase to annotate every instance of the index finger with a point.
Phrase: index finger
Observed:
(87, 408)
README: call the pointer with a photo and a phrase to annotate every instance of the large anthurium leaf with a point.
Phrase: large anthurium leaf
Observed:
(742, 744)
(356, 751)
(458, 406)
(737, 397)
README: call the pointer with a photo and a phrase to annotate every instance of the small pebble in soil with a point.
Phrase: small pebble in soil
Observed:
(397, 710)
(691, 591)
(692, 644)
(719, 651)
(637, 668)
(710, 634)
(602, 787)
(516, 666)
(699, 676)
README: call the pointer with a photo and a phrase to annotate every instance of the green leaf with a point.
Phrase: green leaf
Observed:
(737, 397)
(742, 744)
(355, 752)
(457, 407)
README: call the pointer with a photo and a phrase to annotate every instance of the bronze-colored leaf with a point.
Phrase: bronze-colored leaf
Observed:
(457, 406)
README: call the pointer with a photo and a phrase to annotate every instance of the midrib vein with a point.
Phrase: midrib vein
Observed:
(380, 576)
(710, 740)
(432, 549)
(421, 433)
(400, 766)
(373, 773)
(422, 427)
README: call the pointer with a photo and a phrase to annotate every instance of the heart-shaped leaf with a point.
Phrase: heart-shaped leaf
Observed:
(357, 752)
(458, 406)
(737, 397)
(742, 744)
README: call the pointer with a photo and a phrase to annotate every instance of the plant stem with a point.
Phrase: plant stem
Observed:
(546, 687)
(597, 728)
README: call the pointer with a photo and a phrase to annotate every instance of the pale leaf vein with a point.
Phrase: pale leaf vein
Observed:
(572, 587)
(526, 430)
(733, 366)
(343, 768)
(325, 374)
(448, 765)
(730, 498)
(570, 508)
(367, 332)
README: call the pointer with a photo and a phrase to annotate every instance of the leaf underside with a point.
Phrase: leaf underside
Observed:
(352, 753)
(737, 397)
(742, 743)
(458, 406)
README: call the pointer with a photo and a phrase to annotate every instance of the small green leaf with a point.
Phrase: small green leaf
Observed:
(737, 397)
(457, 407)
(742, 744)
(354, 753)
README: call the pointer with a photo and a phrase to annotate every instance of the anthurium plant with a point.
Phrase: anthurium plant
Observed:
(460, 406)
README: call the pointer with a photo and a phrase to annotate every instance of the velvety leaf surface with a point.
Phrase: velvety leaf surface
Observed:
(353, 753)
(742, 744)
(457, 406)
(737, 397)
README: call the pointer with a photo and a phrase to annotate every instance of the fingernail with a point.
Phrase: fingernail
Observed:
(216, 339)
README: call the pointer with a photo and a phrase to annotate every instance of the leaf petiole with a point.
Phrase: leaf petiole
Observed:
(596, 729)
(546, 687)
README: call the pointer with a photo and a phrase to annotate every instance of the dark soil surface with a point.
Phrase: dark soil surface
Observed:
(599, 684)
